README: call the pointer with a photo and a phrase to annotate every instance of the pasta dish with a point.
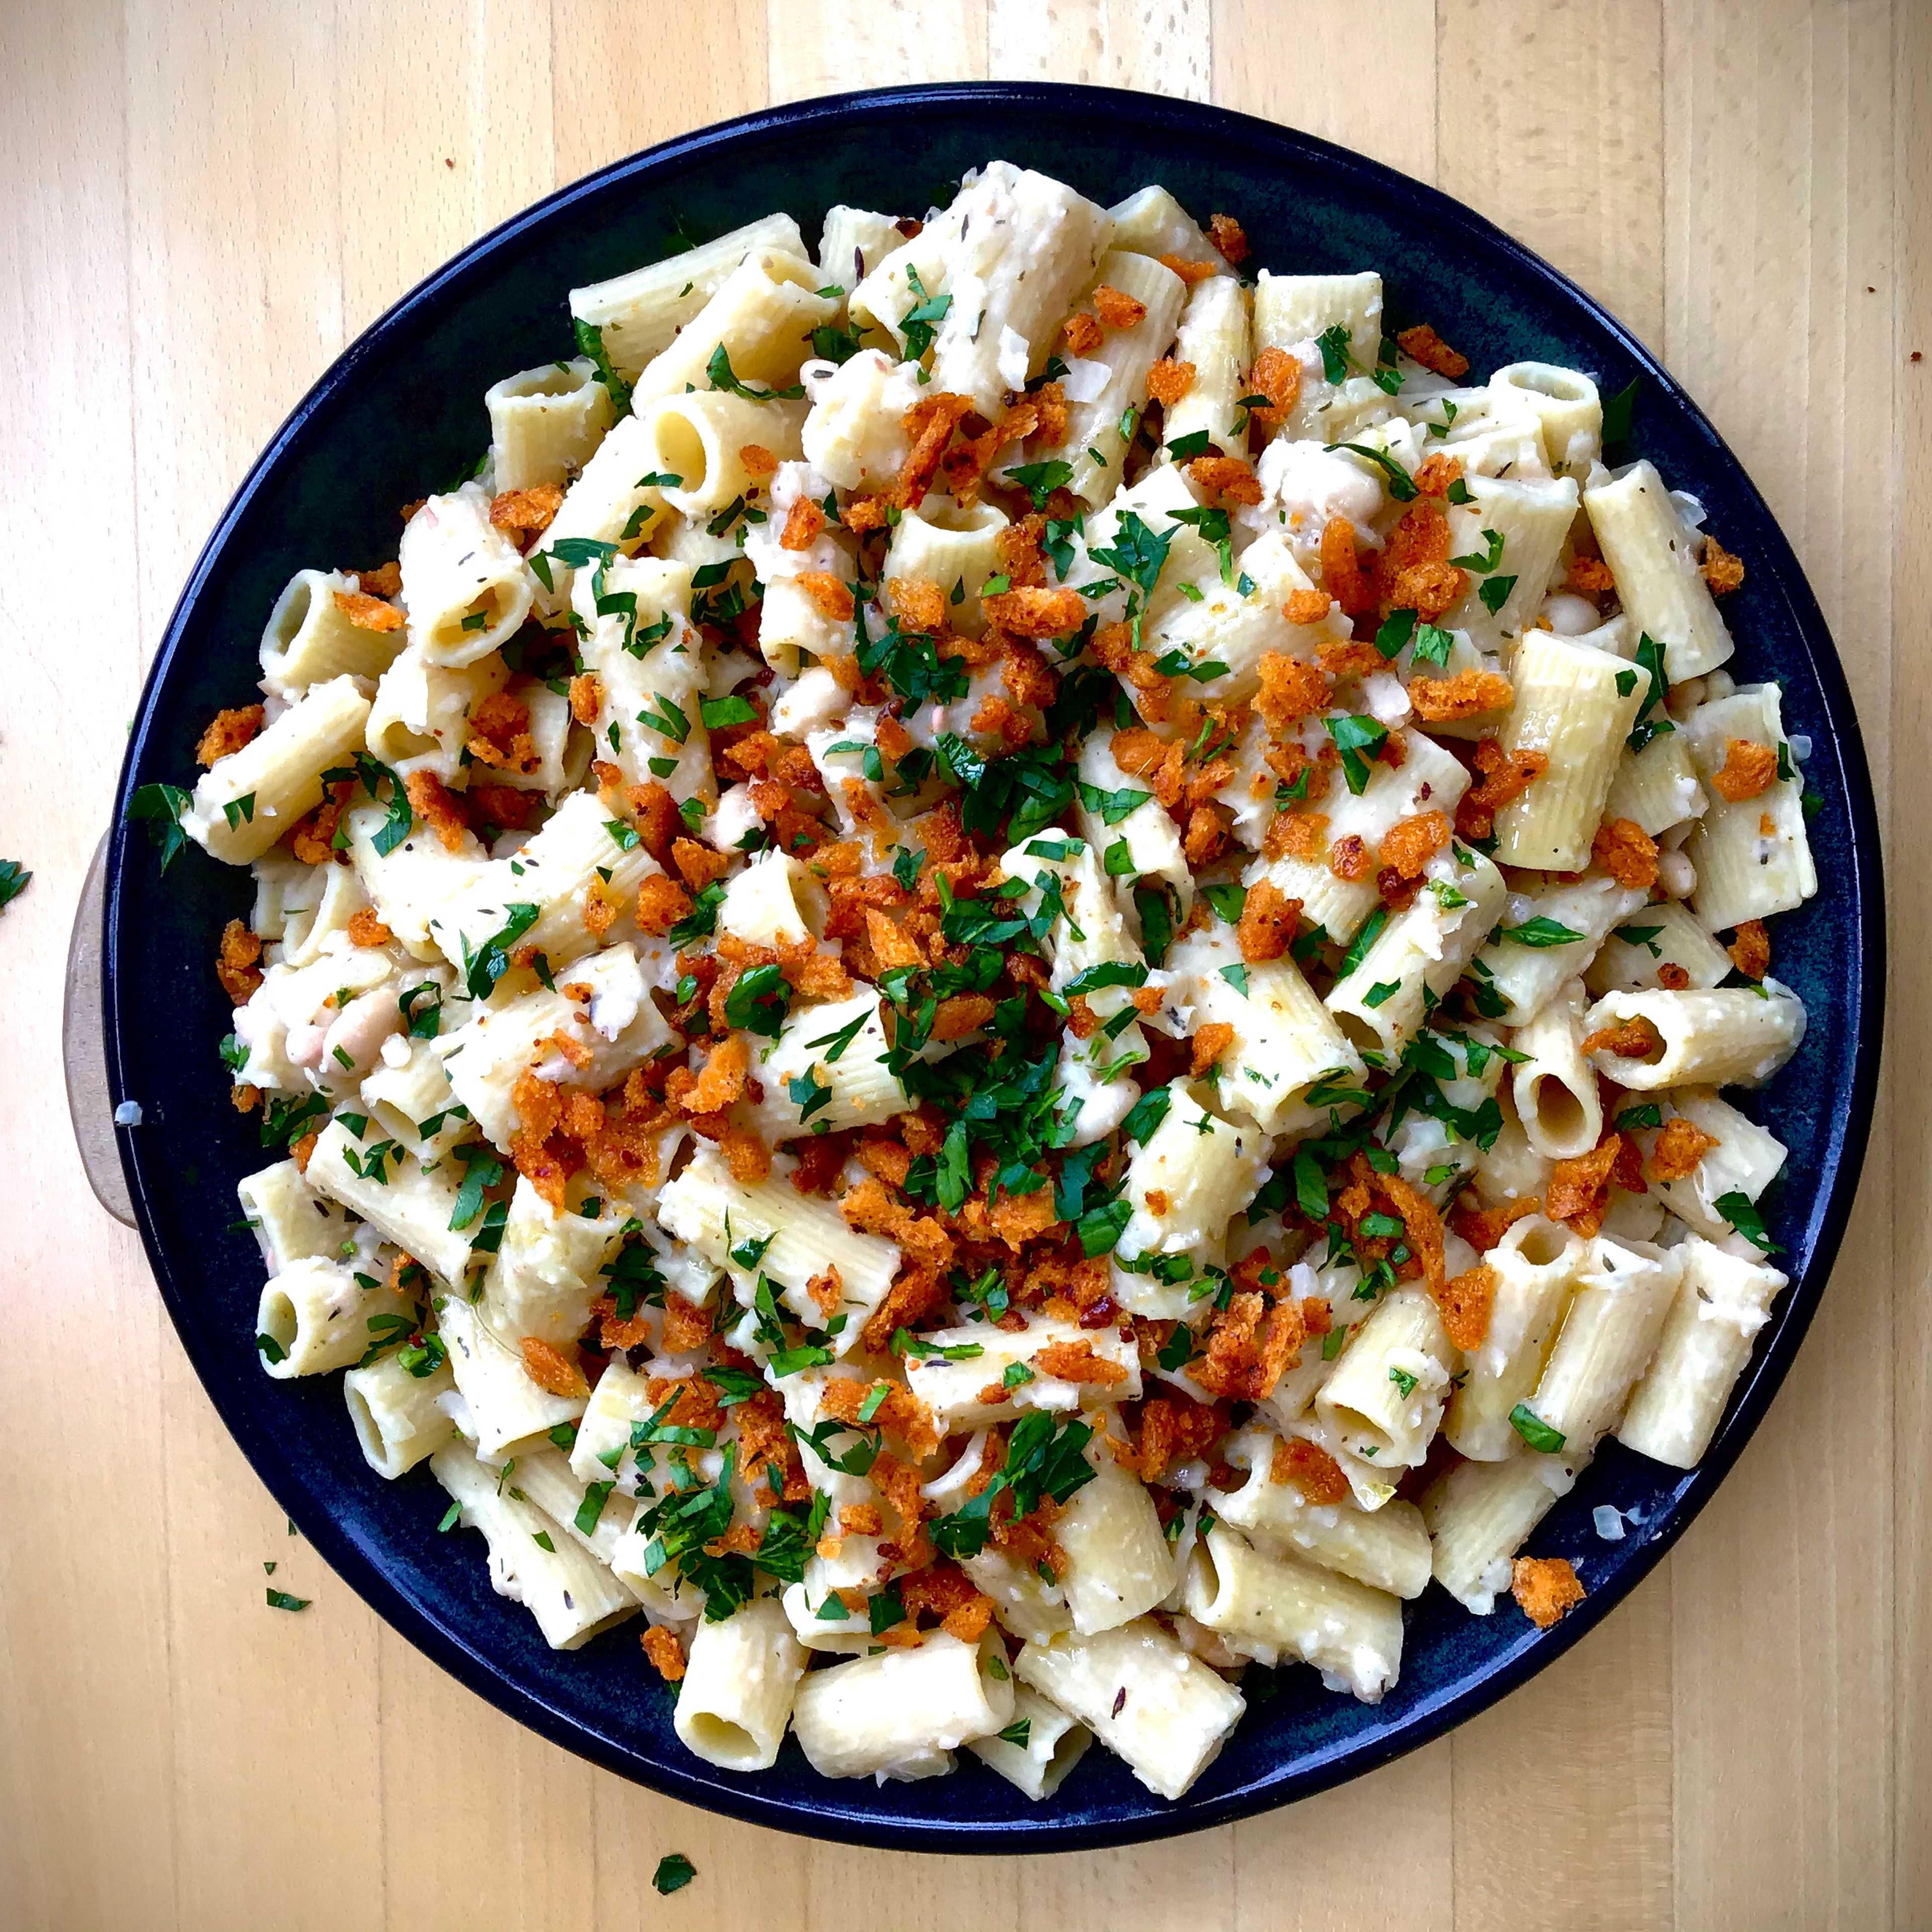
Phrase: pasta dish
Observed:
(1001, 983)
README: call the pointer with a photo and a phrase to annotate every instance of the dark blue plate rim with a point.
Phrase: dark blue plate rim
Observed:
(1253, 142)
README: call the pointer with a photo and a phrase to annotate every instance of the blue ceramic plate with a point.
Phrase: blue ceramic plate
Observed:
(400, 413)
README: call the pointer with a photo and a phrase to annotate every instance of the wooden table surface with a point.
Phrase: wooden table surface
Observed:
(207, 199)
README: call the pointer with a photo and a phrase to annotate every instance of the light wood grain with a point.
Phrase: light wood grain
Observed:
(208, 198)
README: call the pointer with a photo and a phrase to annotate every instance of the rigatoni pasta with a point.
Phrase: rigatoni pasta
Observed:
(997, 983)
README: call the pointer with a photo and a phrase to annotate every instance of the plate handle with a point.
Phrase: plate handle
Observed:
(84, 1050)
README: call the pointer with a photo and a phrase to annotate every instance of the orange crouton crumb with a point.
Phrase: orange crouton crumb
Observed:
(830, 597)
(1076, 1362)
(1117, 309)
(300, 1150)
(1168, 381)
(1411, 843)
(1342, 573)
(722, 1082)
(1468, 695)
(802, 524)
(1291, 690)
(1229, 237)
(245, 1100)
(1748, 769)
(1189, 272)
(1679, 1147)
(1266, 928)
(1082, 333)
(367, 613)
(827, 1290)
(235, 965)
(1483, 1227)
(1311, 1469)
(699, 864)
(366, 929)
(1590, 576)
(661, 903)
(1720, 569)
(1627, 852)
(1422, 344)
(759, 462)
(587, 697)
(550, 1369)
(919, 602)
(860, 1520)
(1635, 1039)
(1032, 613)
(526, 512)
(1750, 950)
(1578, 1187)
(228, 731)
(1505, 776)
(1545, 1587)
(1277, 376)
(1349, 858)
(385, 580)
(1436, 472)
(862, 513)
(1307, 606)
(1228, 479)
(436, 804)
(663, 1649)
(1465, 1304)
(1209, 1043)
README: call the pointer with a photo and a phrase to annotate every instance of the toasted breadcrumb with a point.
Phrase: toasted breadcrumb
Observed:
(1311, 1469)
(1189, 272)
(1229, 237)
(227, 732)
(831, 597)
(1750, 949)
(367, 613)
(1168, 380)
(587, 697)
(1505, 776)
(759, 462)
(1589, 576)
(1720, 570)
(526, 512)
(1226, 479)
(550, 1369)
(1209, 1043)
(1633, 1040)
(803, 522)
(1545, 1587)
(1266, 928)
(664, 1648)
(1627, 852)
(722, 1080)
(1749, 768)
(1465, 1303)
(366, 928)
(435, 803)
(1469, 693)
(1277, 375)
(1436, 472)
(1343, 576)
(1422, 344)
(235, 965)
(1409, 843)
(1082, 333)
(1035, 613)
(919, 602)
(1076, 1362)
(1680, 1144)
(1117, 309)
(1578, 1187)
